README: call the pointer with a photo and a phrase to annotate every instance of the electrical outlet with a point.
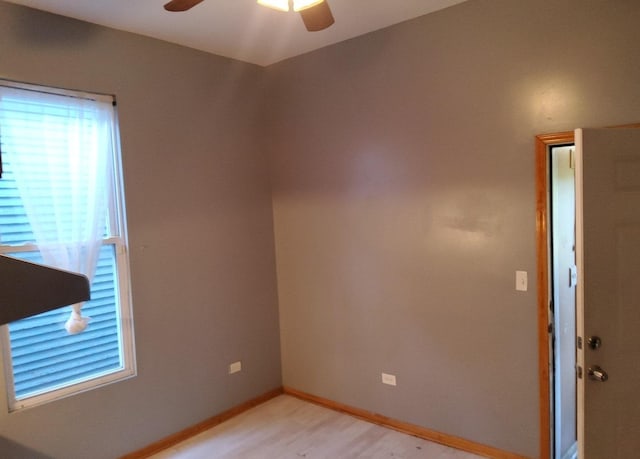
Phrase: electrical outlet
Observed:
(235, 367)
(388, 379)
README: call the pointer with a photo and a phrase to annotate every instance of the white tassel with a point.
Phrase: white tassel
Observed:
(76, 323)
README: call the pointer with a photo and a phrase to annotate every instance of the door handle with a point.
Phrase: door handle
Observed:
(597, 374)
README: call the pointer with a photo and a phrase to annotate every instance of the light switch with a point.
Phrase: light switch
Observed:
(521, 281)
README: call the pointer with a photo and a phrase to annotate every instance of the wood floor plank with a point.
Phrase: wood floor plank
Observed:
(286, 427)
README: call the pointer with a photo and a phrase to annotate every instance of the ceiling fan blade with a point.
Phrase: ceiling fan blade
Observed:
(181, 5)
(317, 17)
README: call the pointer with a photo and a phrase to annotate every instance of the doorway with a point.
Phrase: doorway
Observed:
(546, 320)
(562, 307)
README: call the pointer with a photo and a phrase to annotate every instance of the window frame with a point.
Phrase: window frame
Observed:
(116, 236)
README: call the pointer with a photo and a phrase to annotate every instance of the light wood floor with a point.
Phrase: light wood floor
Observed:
(288, 428)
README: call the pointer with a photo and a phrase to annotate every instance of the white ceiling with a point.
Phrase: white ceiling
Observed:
(241, 29)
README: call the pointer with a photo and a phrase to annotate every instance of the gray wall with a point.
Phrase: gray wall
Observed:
(200, 233)
(403, 194)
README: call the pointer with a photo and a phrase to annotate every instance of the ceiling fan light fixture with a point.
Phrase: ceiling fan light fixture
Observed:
(299, 5)
(315, 14)
(280, 5)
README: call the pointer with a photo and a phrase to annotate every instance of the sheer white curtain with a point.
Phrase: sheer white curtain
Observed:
(61, 151)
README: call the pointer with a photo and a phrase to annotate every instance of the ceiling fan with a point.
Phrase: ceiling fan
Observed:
(315, 14)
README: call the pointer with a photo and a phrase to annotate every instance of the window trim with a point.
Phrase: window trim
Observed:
(117, 236)
(77, 94)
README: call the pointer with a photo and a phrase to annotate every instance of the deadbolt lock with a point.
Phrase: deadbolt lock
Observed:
(594, 342)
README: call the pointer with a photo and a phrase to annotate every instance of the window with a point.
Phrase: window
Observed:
(62, 204)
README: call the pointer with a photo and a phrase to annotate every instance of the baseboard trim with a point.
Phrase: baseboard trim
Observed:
(411, 429)
(207, 424)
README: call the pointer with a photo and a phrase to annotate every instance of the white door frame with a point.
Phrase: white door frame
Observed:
(579, 291)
